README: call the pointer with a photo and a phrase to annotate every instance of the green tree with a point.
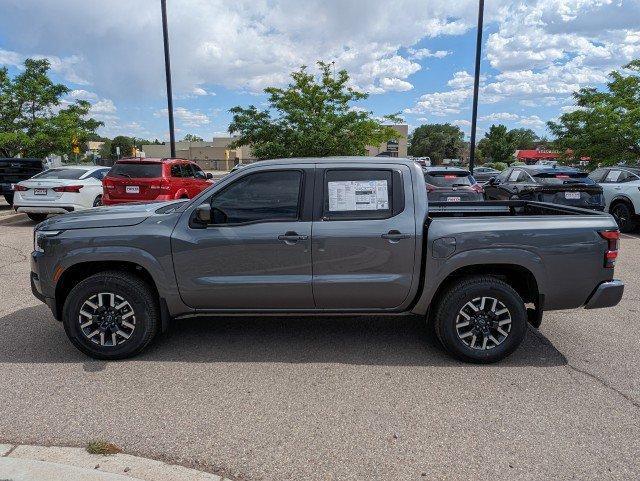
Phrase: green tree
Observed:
(524, 139)
(437, 141)
(126, 145)
(497, 145)
(32, 123)
(606, 125)
(192, 138)
(313, 118)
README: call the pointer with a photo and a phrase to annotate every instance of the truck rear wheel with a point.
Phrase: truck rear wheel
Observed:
(481, 319)
(111, 315)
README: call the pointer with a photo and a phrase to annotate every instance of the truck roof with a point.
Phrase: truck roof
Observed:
(334, 160)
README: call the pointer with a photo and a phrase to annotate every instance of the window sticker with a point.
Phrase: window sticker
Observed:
(350, 195)
(613, 176)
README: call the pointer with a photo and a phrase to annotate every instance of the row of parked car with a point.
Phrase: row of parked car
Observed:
(76, 187)
(70, 188)
(612, 189)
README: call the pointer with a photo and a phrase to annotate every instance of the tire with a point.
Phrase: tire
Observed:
(623, 213)
(97, 202)
(9, 198)
(141, 313)
(36, 217)
(467, 342)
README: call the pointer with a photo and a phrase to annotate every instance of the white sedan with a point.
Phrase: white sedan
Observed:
(59, 190)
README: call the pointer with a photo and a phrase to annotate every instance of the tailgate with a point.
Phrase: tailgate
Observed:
(132, 189)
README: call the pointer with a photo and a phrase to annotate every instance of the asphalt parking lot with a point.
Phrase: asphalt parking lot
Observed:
(332, 398)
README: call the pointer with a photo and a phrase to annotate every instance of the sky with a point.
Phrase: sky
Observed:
(414, 57)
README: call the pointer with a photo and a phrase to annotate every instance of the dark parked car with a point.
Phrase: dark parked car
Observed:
(350, 235)
(451, 184)
(13, 171)
(543, 183)
(483, 174)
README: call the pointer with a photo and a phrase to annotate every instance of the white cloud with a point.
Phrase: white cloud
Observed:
(498, 116)
(70, 68)
(241, 45)
(532, 121)
(104, 106)
(395, 84)
(186, 117)
(421, 53)
(83, 95)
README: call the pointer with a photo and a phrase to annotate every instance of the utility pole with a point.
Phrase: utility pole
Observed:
(476, 85)
(167, 68)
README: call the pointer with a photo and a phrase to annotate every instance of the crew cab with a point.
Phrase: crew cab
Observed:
(153, 180)
(350, 235)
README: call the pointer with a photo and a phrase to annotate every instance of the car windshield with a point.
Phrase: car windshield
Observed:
(449, 178)
(562, 177)
(60, 174)
(148, 170)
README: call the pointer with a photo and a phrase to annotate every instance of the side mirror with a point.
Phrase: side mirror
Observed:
(203, 213)
(209, 176)
(493, 181)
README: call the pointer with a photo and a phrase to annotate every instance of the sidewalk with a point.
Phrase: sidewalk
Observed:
(39, 463)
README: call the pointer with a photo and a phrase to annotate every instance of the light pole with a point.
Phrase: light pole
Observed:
(167, 69)
(476, 85)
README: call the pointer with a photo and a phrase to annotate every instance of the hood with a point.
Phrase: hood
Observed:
(112, 216)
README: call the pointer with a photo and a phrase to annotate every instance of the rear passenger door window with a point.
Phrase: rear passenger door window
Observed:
(176, 171)
(361, 194)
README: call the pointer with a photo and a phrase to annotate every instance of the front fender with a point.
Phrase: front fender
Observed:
(438, 270)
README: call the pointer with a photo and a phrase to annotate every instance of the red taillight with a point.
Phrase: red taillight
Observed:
(20, 188)
(68, 188)
(562, 176)
(611, 254)
(478, 188)
(450, 177)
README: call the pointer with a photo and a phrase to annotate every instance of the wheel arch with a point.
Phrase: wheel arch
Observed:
(621, 198)
(76, 273)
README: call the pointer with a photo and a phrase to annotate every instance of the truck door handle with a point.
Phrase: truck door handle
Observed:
(292, 237)
(395, 236)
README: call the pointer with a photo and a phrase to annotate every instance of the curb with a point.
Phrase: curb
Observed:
(43, 463)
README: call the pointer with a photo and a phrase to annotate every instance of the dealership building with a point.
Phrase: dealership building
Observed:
(217, 155)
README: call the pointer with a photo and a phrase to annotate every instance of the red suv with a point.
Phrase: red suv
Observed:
(148, 180)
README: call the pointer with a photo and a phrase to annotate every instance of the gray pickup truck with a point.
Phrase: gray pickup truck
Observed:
(323, 236)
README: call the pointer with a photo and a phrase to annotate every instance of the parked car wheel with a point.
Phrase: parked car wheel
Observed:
(36, 217)
(623, 213)
(97, 202)
(481, 320)
(9, 198)
(111, 315)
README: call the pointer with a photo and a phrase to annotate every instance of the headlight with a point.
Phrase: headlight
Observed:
(39, 238)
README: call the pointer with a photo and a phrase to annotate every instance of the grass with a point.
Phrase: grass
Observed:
(102, 447)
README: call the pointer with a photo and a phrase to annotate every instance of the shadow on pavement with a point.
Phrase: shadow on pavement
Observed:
(31, 335)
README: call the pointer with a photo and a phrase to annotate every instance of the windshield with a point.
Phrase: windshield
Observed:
(138, 170)
(563, 177)
(449, 179)
(60, 174)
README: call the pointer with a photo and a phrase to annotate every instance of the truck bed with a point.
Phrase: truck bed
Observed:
(506, 208)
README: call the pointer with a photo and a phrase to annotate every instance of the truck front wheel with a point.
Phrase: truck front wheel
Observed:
(111, 315)
(481, 319)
